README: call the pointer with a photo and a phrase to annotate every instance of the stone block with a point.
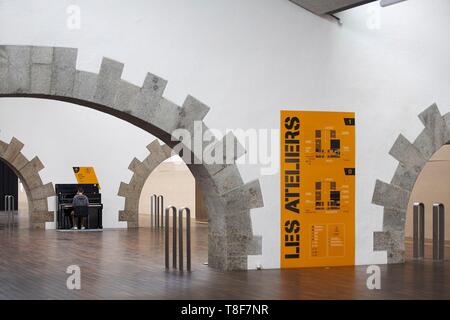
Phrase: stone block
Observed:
(3, 70)
(42, 216)
(126, 95)
(236, 263)
(38, 226)
(395, 256)
(390, 196)
(132, 206)
(39, 205)
(42, 55)
(424, 142)
(85, 85)
(238, 226)
(41, 78)
(217, 262)
(406, 153)
(394, 220)
(147, 104)
(255, 246)
(31, 168)
(244, 197)
(138, 168)
(130, 191)
(192, 110)
(154, 86)
(42, 192)
(19, 161)
(3, 146)
(132, 224)
(405, 178)
(13, 149)
(18, 74)
(432, 120)
(227, 179)
(127, 216)
(230, 149)
(33, 181)
(381, 240)
(64, 70)
(108, 82)
(165, 115)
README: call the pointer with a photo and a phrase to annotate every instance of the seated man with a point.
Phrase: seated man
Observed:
(79, 200)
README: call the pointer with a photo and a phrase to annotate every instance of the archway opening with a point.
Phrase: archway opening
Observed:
(431, 187)
(14, 204)
(173, 183)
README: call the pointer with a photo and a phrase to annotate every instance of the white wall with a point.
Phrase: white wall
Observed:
(247, 60)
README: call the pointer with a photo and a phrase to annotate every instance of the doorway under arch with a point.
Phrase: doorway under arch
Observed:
(395, 196)
(28, 173)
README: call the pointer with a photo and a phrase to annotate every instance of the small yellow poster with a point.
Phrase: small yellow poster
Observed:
(86, 175)
(317, 189)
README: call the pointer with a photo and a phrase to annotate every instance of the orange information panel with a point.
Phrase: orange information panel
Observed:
(86, 175)
(317, 189)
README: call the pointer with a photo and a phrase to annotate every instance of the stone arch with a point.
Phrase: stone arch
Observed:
(28, 172)
(51, 73)
(394, 196)
(132, 190)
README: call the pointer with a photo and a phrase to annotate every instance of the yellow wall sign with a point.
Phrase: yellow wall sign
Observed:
(317, 189)
(85, 175)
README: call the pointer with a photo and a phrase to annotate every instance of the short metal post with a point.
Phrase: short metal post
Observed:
(180, 240)
(438, 231)
(152, 209)
(9, 210)
(13, 209)
(167, 231)
(418, 230)
(160, 211)
(174, 238)
(188, 235)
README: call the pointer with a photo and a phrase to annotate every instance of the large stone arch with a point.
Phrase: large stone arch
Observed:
(28, 172)
(50, 73)
(394, 196)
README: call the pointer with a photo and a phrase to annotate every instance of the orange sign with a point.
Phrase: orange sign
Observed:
(317, 189)
(86, 175)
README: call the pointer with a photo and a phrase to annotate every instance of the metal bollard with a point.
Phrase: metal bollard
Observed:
(438, 231)
(178, 232)
(152, 210)
(418, 230)
(188, 237)
(160, 211)
(9, 210)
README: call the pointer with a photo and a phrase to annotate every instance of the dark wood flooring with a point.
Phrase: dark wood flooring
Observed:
(129, 264)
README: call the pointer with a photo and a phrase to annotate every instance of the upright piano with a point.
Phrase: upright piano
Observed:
(64, 198)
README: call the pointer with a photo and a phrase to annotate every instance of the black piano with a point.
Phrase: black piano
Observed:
(64, 198)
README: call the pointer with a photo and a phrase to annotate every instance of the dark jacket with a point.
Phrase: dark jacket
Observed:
(80, 200)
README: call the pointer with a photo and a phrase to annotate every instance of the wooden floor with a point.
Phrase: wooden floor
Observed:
(128, 264)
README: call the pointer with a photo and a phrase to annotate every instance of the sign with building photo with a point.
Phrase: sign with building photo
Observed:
(317, 189)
